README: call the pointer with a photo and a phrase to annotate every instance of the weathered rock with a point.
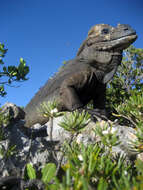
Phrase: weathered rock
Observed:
(88, 136)
(41, 150)
(13, 112)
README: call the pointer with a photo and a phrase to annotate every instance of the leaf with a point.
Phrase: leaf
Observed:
(48, 172)
(84, 183)
(102, 185)
(31, 171)
(4, 69)
(21, 60)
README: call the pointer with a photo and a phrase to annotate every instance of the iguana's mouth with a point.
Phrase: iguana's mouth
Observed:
(120, 43)
(128, 37)
(124, 41)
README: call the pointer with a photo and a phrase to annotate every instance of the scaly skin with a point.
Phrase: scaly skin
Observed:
(84, 78)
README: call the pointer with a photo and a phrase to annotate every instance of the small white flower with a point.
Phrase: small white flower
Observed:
(55, 110)
(113, 130)
(105, 132)
(125, 172)
(80, 157)
(79, 138)
(109, 131)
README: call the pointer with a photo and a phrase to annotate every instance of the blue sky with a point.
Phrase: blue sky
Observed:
(47, 32)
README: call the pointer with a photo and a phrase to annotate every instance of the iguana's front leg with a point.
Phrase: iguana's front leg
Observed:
(70, 90)
(70, 99)
(99, 101)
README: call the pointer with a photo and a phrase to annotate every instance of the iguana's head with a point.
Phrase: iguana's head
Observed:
(104, 46)
(105, 37)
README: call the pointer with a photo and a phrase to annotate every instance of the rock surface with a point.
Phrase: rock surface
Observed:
(41, 150)
(13, 112)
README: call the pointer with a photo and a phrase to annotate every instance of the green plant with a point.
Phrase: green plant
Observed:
(47, 173)
(75, 121)
(94, 166)
(107, 134)
(49, 109)
(131, 112)
(88, 168)
(10, 74)
(128, 78)
(132, 108)
(31, 173)
(4, 120)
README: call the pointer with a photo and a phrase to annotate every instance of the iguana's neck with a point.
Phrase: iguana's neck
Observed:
(89, 53)
(105, 64)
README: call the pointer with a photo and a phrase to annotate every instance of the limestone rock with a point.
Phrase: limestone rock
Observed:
(13, 112)
(41, 150)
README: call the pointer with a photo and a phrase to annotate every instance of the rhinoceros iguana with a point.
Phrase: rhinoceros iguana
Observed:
(84, 78)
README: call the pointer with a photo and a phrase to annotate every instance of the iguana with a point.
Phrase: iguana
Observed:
(84, 78)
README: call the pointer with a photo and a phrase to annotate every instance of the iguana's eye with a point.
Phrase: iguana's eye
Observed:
(105, 31)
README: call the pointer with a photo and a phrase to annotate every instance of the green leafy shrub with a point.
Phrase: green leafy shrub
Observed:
(75, 121)
(128, 78)
(49, 109)
(94, 166)
(131, 113)
(48, 172)
(4, 120)
(10, 74)
(107, 134)
(132, 108)
(89, 168)
(31, 173)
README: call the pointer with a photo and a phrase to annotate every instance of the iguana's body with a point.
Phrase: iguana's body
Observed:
(84, 78)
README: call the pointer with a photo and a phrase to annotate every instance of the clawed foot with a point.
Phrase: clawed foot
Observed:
(97, 113)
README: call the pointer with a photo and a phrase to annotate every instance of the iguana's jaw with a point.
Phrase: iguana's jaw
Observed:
(116, 44)
(123, 42)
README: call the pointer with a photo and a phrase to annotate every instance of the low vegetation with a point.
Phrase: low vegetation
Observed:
(94, 166)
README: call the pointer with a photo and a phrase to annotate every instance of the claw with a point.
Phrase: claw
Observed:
(97, 113)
